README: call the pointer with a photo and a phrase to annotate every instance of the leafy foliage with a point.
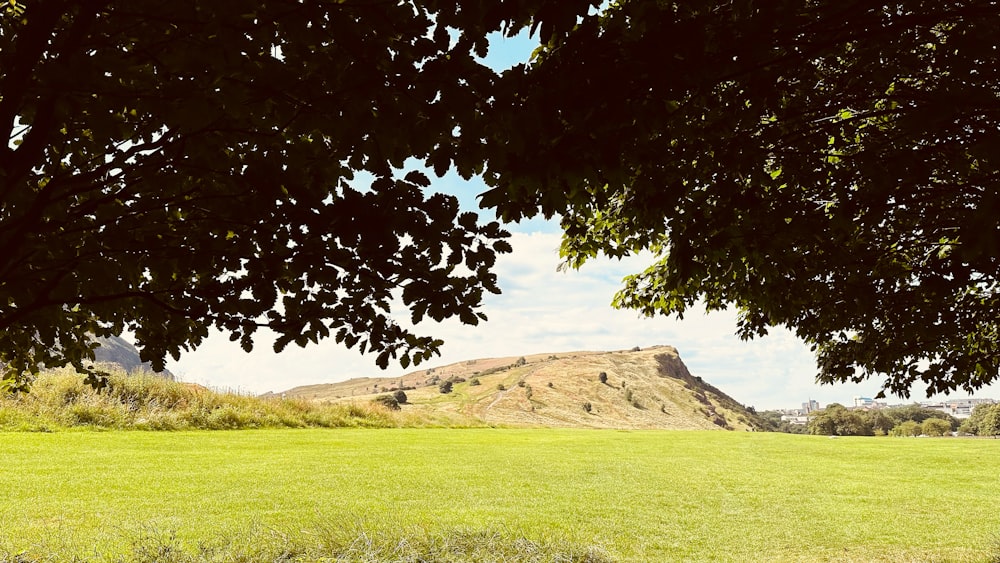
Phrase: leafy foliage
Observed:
(238, 165)
(984, 421)
(838, 420)
(935, 427)
(825, 167)
(244, 165)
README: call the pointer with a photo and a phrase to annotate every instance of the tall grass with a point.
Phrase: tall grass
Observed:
(335, 543)
(59, 400)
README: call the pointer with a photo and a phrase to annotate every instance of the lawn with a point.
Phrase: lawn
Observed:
(632, 496)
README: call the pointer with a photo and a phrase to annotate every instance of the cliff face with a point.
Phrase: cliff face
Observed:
(115, 350)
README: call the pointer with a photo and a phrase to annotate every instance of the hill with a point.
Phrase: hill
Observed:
(647, 388)
(117, 352)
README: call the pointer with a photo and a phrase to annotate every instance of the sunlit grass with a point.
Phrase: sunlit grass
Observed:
(642, 495)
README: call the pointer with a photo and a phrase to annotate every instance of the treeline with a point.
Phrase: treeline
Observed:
(985, 421)
(838, 420)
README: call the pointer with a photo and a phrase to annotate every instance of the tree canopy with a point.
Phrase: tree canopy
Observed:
(826, 166)
(174, 166)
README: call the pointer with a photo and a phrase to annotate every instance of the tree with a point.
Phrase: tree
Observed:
(823, 166)
(174, 167)
(445, 387)
(918, 413)
(603, 377)
(400, 396)
(975, 424)
(837, 420)
(880, 424)
(990, 425)
(907, 428)
(936, 427)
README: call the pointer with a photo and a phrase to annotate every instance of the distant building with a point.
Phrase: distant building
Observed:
(810, 406)
(958, 408)
(863, 402)
(793, 419)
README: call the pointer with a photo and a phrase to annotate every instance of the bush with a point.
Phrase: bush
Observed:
(388, 401)
(603, 377)
(550, 385)
(637, 349)
(520, 383)
(587, 407)
(445, 387)
(400, 397)
(520, 362)
(936, 427)
(501, 387)
(474, 381)
(907, 428)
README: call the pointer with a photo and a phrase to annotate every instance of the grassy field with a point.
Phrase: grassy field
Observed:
(539, 495)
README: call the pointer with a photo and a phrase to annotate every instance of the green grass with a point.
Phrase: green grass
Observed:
(508, 495)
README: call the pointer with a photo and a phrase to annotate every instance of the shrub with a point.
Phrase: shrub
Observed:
(628, 395)
(445, 387)
(474, 381)
(587, 407)
(520, 383)
(521, 361)
(501, 387)
(936, 427)
(400, 397)
(637, 349)
(603, 377)
(527, 391)
(388, 401)
(549, 385)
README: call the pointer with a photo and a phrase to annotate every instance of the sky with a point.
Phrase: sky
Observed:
(542, 310)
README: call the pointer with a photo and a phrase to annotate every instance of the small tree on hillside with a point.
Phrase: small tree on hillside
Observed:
(603, 377)
(387, 401)
(400, 397)
(445, 387)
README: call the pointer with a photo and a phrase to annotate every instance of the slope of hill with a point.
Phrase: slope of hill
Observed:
(649, 388)
(121, 353)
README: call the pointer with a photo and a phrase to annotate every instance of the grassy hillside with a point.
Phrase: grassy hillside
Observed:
(649, 388)
(59, 400)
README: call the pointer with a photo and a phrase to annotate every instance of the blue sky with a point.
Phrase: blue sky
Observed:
(542, 310)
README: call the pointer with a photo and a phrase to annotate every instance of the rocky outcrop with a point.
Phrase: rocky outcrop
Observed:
(118, 351)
